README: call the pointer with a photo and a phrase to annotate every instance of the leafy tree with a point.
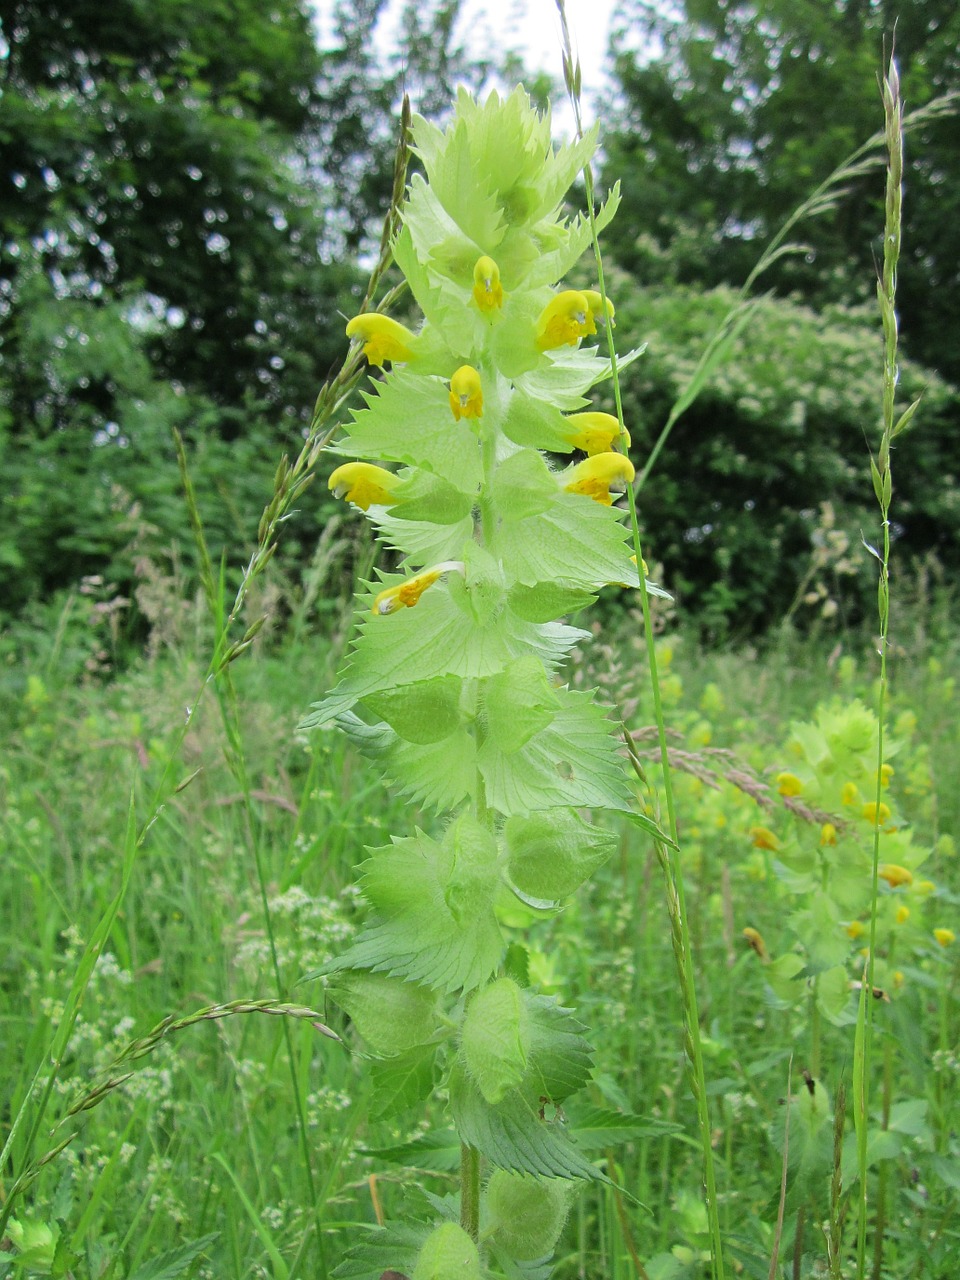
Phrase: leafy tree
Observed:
(731, 113)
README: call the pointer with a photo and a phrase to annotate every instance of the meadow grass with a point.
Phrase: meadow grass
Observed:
(201, 1141)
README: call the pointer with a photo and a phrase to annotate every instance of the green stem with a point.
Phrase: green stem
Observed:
(470, 1190)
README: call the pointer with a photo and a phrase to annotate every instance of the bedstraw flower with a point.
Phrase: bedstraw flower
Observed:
(408, 593)
(466, 393)
(564, 321)
(487, 290)
(596, 432)
(363, 484)
(383, 339)
(596, 476)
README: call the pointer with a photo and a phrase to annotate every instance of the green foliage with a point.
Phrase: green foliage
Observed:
(728, 115)
(733, 508)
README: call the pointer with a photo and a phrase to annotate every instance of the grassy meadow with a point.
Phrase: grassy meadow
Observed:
(190, 1158)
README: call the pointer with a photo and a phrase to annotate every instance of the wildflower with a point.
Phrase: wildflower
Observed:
(925, 887)
(876, 813)
(596, 309)
(855, 930)
(487, 290)
(383, 339)
(763, 838)
(903, 914)
(596, 432)
(564, 321)
(756, 943)
(850, 793)
(466, 393)
(596, 476)
(788, 784)
(894, 874)
(945, 936)
(898, 979)
(886, 773)
(363, 484)
(828, 834)
(408, 593)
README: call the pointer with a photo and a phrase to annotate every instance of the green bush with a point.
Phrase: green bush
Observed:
(733, 506)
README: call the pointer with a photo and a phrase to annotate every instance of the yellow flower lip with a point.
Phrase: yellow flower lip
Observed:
(383, 338)
(596, 432)
(487, 290)
(764, 838)
(596, 476)
(363, 484)
(877, 814)
(756, 943)
(408, 593)
(945, 936)
(894, 874)
(595, 303)
(466, 393)
(564, 321)
(788, 784)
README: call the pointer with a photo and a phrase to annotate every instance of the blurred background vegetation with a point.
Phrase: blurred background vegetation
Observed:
(189, 197)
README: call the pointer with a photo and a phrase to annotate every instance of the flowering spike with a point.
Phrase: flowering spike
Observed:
(596, 314)
(596, 432)
(487, 290)
(564, 321)
(408, 593)
(466, 393)
(383, 339)
(363, 484)
(596, 476)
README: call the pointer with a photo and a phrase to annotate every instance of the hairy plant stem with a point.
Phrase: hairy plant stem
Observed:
(470, 1189)
(670, 863)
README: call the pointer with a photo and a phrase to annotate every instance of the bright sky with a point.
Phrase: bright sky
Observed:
(529, 27)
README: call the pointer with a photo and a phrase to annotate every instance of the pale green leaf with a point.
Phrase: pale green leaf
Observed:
(425, 712)
(518, 702)
(439, 775)
(410, 421)
(175, 1261)
(574, 763)
(550, 854)
(402, 1082)
(577, 542)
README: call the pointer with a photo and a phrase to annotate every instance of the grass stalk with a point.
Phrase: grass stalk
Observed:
(880, 470)
(670, 863)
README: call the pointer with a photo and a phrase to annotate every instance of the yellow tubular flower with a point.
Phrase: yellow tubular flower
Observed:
(466, 393)
(886, 773)
(383, 339)
(945, 936)
(564, 321)
(894, 874)
(596, 476)
(487, 290)
(763, 838)
(788, 784)
(849, 794)
(756, 943)
(828, 834)
(903, 914)
(875, 813)
(408, 593)
(595, 303)
(364, 484)
(855, 930)
(596, 432)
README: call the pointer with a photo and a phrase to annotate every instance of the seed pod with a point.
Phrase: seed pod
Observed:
(390, 1014)
(526, 1215)
(448, 1254)
(495, 1039)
